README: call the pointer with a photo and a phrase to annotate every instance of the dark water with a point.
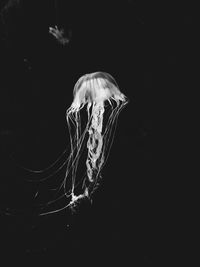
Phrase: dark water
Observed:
(130, 219)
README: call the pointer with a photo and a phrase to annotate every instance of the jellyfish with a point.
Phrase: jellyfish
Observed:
(60, 35)
(92, 121)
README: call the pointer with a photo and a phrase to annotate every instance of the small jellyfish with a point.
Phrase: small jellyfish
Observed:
(60, 35)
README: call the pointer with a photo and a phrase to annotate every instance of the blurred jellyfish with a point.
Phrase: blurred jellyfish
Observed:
(60, 35)
(92, 120)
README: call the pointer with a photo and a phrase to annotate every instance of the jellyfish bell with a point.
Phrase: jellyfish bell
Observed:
(99, 86)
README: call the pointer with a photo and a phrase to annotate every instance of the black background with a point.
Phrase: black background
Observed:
(133, 216)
